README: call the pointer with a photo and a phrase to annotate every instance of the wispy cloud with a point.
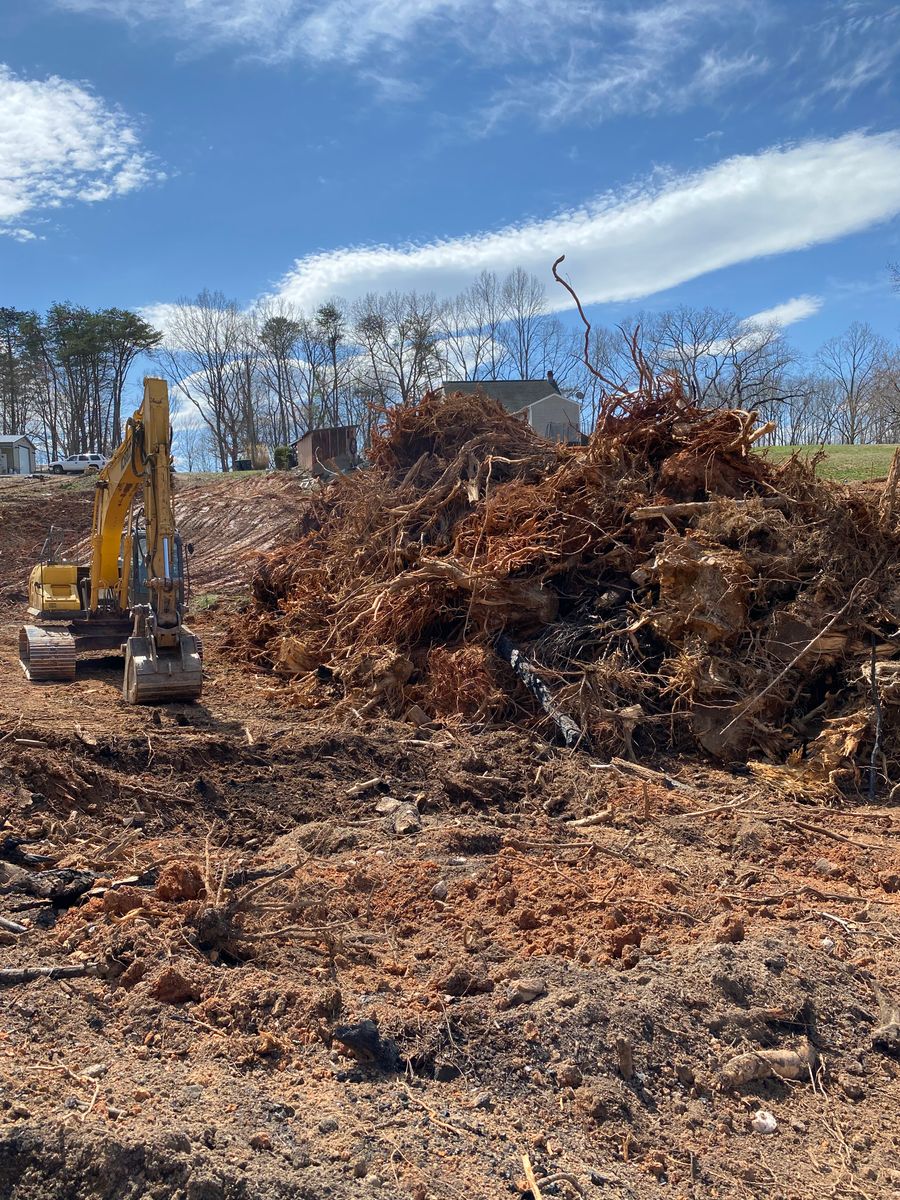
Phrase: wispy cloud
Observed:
(627, 58)
(557, 59)
(323, 30)
(59, 142)
(859, 43)
(674, 228)
(787, 313)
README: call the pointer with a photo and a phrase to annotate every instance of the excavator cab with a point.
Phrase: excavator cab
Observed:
(131, 596)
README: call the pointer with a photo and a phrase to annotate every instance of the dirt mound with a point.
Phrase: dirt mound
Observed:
(28, 509)
(229, 521)
(660, 586)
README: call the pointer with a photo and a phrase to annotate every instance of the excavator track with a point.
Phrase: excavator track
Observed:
(46, 654)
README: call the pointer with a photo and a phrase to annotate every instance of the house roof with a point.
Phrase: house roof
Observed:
(513, 394)
(13, 439)
(324, 431)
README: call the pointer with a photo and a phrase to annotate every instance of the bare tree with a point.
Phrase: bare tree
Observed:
(280, 328)
(398, 336)
(524, 309)
(202, 352)
(851, 360)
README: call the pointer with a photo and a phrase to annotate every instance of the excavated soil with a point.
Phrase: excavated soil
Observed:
(342, 958)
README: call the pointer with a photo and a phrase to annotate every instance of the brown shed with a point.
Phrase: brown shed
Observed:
(327, 449)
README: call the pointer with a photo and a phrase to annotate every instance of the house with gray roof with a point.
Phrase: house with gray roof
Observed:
(537, 401)
(17, 454)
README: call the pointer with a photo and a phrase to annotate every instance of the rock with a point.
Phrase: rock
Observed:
(568, 1075)
(852, 1088)
(176, 1141)
(268, 1044)
(684, 1074)
(729, 928)
(119, 901)
(171, 987)
(460, 981)
(260, 1141)
(95, 1070)
(387, 805)
(763, 1122)
(366, 1044)
(631, 956)
(406, 819)
(887, 1037)
(132, 974)
(624, 935)
(524, 991)
(417, 716)
(826, 867)
(179, 881)
(439, 891)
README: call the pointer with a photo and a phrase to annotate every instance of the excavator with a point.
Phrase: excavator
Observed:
(131, 595)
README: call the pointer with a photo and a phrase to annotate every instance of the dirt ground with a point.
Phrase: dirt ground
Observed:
(373, 958)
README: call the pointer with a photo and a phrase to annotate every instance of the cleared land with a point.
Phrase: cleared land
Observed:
(340, 954)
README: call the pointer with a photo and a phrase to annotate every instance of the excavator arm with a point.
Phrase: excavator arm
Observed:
(142, 460)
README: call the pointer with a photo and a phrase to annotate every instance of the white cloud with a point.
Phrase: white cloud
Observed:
(622, 248)
(60, 142)
(788, 313)
(161, 316)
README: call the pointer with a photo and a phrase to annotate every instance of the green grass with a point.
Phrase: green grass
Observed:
(845, 464)
(205, 601)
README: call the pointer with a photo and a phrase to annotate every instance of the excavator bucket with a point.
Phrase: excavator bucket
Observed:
(152, 675)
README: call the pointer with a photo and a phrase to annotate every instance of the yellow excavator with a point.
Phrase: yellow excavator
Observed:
(131, 595)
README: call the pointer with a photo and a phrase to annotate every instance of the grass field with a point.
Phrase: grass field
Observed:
(843, 463)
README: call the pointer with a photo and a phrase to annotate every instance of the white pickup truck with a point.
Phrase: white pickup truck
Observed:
(77, 464)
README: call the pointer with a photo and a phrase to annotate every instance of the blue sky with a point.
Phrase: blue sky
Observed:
(743, 155)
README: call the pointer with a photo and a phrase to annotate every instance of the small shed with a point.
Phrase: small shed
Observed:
(322, 450)
(17, 454)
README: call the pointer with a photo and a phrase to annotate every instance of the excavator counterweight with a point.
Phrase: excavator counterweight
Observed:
(131, 595)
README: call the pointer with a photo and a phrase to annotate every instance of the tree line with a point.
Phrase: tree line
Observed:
(265, 376)
(63, 374)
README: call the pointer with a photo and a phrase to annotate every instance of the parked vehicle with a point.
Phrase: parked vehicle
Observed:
(78, 464)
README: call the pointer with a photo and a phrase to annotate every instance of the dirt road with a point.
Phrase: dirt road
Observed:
(328, 960)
